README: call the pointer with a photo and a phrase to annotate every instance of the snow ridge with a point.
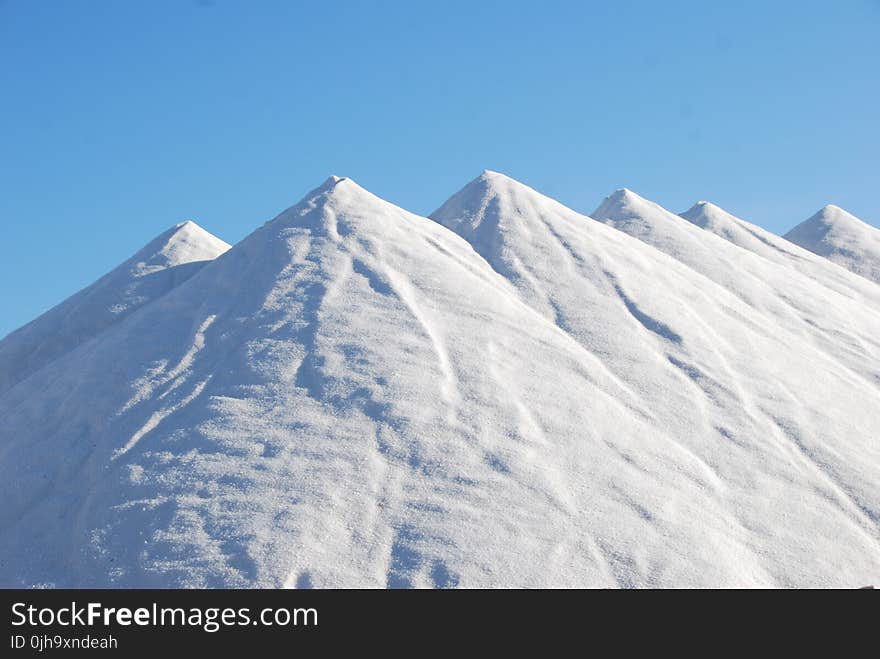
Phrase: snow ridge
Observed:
(841, 238)
(505, 394)
(776, 248)
(165, 262)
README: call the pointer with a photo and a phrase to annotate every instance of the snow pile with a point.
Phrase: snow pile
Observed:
(843, 326)
(776, 248)
(167, 261)
(510, 394)
(842, 238)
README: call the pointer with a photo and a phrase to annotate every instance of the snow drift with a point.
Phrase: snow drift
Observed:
(167, 261)
(780, 250)
(508, 394)
(842, 238)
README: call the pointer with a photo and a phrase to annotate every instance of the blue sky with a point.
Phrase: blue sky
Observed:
(121, 119)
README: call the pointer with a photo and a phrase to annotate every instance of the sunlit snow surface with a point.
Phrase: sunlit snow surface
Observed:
(168, 260)
(843, 239)
(510, 394)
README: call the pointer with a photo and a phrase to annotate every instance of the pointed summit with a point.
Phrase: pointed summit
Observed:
(633, 214)
(714, 219)
(707, 215)
(622, 204)
(168, 260)
(827, 218)
(327, 186)
(756, 239)
(354, 396)
(349, 383)
(842, 238)
(186, 242)
(489, 204)
(334, 192)
(728, 255)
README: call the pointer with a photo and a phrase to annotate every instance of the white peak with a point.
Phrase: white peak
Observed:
(327, 188)
(164, 263)
(623, 202)
(183, 243)
(488, 193)
(337, 196)
(333, 188)
(828, 218)
(831, 214)
(492, 181)
(185, 228)
(705, 214)
(626, 195)
(492, 176)
(621, 196)
(331, 182)
(843, 238)
(704, 206)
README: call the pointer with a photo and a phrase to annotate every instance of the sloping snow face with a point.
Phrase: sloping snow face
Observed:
(358, 396)
(349, 397)
(782, 428)
(842, 326)
(842, 238)
(167, 261)
(756, 239)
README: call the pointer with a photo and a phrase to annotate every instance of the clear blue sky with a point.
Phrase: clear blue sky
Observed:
(120, 119)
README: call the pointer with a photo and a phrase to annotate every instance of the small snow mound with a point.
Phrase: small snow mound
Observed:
(842, 238)
(832, 209)
(489, 174)
(622, 202)
(331, 182)
(706, 214)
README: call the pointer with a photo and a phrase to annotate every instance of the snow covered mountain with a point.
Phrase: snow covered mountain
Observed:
(843, 326)
(508, 394)
(730, 382)
(165, 262)
(842, 238)
(756, 239)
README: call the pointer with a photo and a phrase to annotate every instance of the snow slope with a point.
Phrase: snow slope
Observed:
(357, 396)
(842, 238)
(720, 378)
(843, 326)
(756, 239)
(166, 261)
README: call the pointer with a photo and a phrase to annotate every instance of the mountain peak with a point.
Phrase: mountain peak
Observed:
(832, 214)
(328, 187)
(705, 214)
(356, 396)
(185, 242)
(621, 203)
(827, 218)
(331, 182)
(490, 180)
(704, 207)
(164, 263)
(482, 203)
(334, 190)
(491, 175)
(841, 237)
